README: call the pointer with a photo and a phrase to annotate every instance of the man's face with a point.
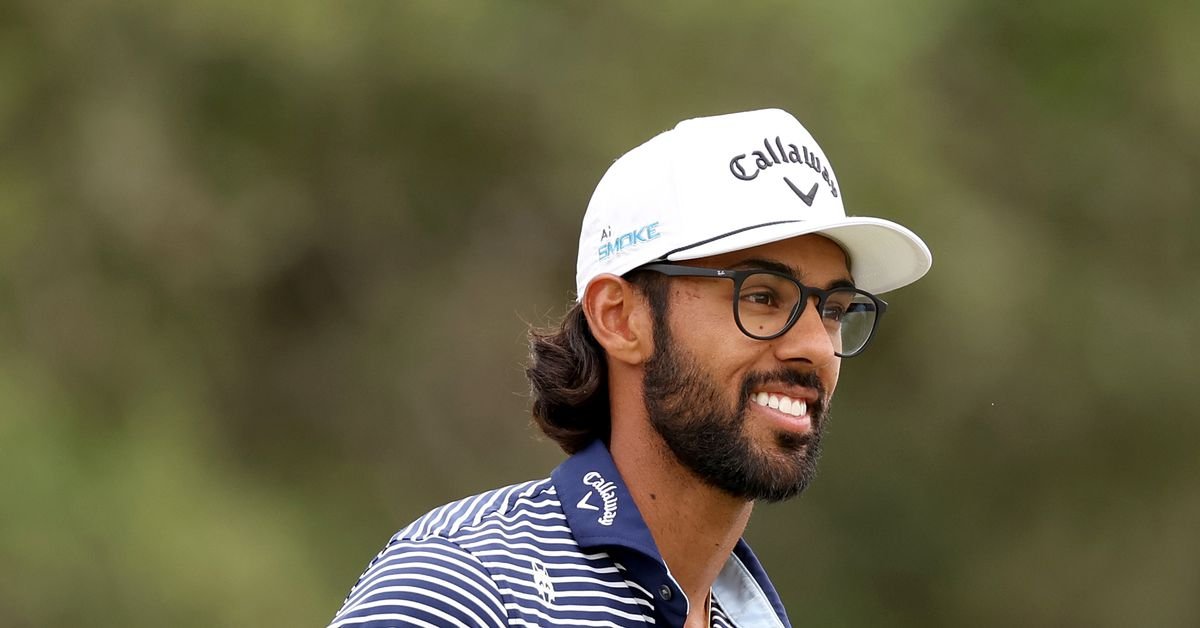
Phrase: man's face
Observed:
(704, 384)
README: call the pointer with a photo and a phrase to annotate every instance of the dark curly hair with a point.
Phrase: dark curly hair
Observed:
(568, 375)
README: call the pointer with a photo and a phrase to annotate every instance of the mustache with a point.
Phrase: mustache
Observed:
(787, 377)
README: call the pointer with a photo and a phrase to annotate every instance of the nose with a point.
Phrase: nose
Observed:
(807, 340)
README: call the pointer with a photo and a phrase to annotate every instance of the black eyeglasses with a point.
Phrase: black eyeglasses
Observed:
(767, 303)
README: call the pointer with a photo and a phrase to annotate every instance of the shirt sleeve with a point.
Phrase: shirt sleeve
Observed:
(431, 582)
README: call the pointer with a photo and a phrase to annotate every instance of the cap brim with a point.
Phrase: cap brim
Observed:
(883, 255)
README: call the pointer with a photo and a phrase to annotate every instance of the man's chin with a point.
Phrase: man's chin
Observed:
(791, 445)
(785, 469)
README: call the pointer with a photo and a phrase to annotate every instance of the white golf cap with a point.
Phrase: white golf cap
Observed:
(725, 183)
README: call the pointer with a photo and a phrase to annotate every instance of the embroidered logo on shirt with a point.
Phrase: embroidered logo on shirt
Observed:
(584, 504)
(608, 495)
(542, 581)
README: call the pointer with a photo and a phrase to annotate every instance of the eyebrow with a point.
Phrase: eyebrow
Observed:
(758, 263)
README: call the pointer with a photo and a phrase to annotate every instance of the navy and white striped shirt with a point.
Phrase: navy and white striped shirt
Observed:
(569, 550)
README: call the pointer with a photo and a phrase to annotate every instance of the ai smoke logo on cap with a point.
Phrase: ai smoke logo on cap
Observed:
(780, 153)
(610, 245)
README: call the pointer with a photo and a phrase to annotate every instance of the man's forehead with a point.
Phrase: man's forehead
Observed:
(812, 255)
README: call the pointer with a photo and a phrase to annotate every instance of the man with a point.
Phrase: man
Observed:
(720, 284)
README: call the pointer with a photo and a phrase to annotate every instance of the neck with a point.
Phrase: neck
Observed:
(694, 525)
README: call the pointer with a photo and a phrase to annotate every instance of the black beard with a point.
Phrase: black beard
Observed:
(709, 438)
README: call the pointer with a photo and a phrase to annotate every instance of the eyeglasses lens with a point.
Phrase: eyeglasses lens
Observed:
(766, 302)
(857, 321)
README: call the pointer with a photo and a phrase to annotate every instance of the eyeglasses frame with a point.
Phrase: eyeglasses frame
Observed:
(806, 292)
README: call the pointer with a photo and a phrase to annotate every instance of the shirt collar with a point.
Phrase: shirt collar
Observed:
(600, 512)
(599, 508)
(746, 594)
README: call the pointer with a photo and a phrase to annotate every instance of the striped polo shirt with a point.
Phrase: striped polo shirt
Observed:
(568, 550)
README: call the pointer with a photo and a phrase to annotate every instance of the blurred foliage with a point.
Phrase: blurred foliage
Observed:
(266, 268)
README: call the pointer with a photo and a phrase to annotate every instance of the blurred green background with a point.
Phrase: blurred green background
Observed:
(266, 270)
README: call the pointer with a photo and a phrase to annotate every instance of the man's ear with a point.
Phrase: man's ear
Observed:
(620, 319)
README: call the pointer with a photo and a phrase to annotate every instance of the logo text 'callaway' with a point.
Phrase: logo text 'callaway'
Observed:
(780, 154)
(608, 495)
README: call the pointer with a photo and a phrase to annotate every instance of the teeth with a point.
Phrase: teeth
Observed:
(787, 405)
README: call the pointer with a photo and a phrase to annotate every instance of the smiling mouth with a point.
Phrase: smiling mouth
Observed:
(783, 403)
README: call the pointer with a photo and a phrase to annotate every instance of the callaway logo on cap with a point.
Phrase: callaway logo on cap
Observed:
(726, 183)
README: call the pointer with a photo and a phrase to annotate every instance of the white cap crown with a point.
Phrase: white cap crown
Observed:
(725, 183)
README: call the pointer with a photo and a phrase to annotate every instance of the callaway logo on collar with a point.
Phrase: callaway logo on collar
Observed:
(599, 509)
(607, 495)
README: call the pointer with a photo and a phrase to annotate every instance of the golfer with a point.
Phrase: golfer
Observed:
(720, 285)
